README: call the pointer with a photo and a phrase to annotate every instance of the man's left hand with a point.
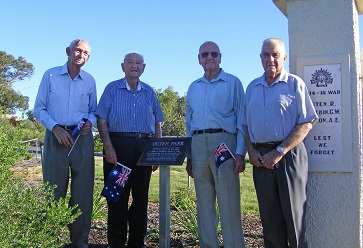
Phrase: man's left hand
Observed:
(86, 129)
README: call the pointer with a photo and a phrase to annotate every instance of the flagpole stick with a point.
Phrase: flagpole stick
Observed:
(231, 153)
(73, 146)
(234, 159)
(100, 154)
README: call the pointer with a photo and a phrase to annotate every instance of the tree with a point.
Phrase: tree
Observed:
(13, 70)
(173, 107)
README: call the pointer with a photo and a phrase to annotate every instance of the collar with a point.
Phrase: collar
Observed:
(125, 85)
(283, 77)
(138, 88)
(222, 76)
(64, 70)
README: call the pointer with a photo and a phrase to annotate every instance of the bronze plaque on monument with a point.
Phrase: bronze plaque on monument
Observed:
(165, 151)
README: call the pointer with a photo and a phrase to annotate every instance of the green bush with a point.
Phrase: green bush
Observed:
(31, 130)
(29, 217)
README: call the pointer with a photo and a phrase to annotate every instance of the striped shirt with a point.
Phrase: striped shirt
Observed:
(128, 111)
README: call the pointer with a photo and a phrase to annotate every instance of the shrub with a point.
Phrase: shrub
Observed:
(29, 216)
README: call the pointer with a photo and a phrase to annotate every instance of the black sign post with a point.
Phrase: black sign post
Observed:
(164, 152)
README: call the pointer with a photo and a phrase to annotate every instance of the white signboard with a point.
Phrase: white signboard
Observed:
(328, 144)
(325, 88)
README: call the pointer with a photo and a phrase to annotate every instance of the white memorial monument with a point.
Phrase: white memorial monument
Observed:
(324, 51)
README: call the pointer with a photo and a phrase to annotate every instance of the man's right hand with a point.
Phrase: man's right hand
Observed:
(63, 137)
(110, 154)
(189, 168)
(255, 157)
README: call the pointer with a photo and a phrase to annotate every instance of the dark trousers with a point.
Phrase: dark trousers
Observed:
(128, 151)
(281, 195)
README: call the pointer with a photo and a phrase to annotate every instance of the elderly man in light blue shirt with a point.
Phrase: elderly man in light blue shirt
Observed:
(66, 95)
(278, 115)
(214, 116)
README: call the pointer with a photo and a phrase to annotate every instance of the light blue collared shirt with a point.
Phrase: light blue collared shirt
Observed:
(61, 100)
(272, 112)
(216, 104)
(128, 111)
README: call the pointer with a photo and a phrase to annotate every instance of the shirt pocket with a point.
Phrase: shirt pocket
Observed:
(285, 103)
(83, 103)
(222, 102)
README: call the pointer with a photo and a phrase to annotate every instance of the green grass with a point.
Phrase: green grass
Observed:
(179, 181)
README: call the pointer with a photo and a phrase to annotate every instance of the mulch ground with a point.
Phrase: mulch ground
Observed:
(178, 237)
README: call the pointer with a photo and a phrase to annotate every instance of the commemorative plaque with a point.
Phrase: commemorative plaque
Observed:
(165, 151)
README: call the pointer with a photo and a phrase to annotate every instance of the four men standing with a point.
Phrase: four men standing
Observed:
(271, 121)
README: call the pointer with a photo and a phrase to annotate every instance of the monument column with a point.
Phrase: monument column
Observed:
(324, 51)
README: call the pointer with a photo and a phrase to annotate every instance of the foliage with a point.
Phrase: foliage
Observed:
(13, 70)
(173, 107)
(29, 216)
(12, 100)
(30, 114)
(8, 155)
(30, 130)
(184, 203)
(98, 143)
(99, 204)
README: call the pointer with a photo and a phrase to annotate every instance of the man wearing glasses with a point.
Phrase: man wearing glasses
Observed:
(213, 116)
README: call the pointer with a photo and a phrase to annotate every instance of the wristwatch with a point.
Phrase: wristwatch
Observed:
(280, 150)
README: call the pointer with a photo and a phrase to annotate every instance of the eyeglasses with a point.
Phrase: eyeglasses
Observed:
(205, 54)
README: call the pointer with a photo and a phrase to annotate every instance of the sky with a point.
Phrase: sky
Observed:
(167, 33)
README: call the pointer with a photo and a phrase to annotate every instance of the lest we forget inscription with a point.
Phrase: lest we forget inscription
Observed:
(165, 151)
(324, 141)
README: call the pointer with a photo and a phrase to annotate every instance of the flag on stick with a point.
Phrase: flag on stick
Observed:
(76, 131)
(222, 154)
(115, 182)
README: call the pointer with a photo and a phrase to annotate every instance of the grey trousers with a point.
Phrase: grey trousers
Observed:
(226, 189)
(58, 167)
(281, 195)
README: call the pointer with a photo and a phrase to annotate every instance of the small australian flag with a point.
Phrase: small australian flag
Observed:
(78, 128)
(222, 154)
(116, 182)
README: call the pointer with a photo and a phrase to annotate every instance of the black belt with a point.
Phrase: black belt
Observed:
(68, 128)
(132, 135)
(210, 130)
(270, 145)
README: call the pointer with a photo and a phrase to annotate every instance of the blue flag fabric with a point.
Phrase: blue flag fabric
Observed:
(116, 182)
(78, 128)
(222, 154)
